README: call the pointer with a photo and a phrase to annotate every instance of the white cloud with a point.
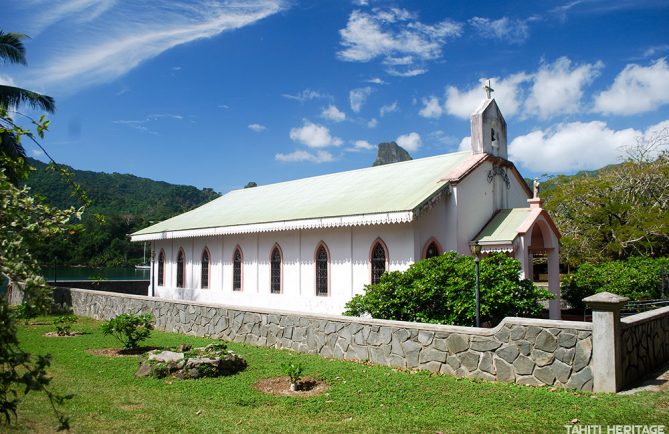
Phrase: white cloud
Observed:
(357, 97)
(36, 152)
(637, 89)
(442, 138)
(6, 80)
(431, 108)
(375, 80)
(363, 144)
(314, 136)
(570, 147)
(392, 34)
(558, 88)
(333, 113)
(507, 29)
(299, 155)
(129, 33)
(508, 94)
(143, 125)
(411, 142)
(372, 123)
(465, 144)
(388, 108)
(655, 50)
(406, 73)
(257, 128)
(306, 95)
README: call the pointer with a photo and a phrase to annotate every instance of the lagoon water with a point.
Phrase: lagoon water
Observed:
(90, 273)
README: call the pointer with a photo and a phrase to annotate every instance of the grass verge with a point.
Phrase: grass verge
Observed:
(360, 398)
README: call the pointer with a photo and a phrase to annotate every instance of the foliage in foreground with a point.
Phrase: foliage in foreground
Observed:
(638, 278)
(129, 329)
(24, 223)
(442, 290)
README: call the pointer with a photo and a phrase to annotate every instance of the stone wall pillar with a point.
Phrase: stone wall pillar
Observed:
(555, 311)
(606, 343)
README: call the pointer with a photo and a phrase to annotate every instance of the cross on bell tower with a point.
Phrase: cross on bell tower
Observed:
(488, 89)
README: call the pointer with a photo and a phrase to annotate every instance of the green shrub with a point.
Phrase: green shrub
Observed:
(64, 323)
(442, 290)
(129, 329)
(294, 371)
(638, 278)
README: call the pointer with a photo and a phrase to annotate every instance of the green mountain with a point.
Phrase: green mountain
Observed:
(116, 193)
(127, 203)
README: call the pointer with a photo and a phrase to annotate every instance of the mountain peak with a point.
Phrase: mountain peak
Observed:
(390, 153)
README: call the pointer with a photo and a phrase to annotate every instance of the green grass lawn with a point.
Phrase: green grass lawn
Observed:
(360, 398)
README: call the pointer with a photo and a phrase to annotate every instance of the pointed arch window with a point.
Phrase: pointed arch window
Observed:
(432, 249)
(275, 270)
(379, 259)
(181, 268)
(322, 261)
(204, 267)
(237, 261)
(161, 268)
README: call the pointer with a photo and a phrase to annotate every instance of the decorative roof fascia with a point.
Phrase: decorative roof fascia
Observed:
(319, 223)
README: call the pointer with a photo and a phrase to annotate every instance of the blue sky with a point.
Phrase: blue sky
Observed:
(218, 93)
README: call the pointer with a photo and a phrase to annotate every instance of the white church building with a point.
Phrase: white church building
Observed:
(310, 245)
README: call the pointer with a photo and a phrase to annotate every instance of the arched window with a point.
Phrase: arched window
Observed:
(379, 258)
(432, 249)
(204, 267)
(275, 270)
(181, 268)
(321, 270)
(237, 270)
(161, 268)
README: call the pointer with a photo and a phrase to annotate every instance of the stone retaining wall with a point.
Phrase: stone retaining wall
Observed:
(645, 344)
(520, 350)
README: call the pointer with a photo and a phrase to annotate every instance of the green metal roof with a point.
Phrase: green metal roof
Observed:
(503, 227)
(389, 188)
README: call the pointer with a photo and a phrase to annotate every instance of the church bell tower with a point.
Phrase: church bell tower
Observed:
(488, 133)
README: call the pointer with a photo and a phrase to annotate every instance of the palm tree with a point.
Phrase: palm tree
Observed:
(13, 51)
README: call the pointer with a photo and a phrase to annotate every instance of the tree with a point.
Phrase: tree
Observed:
(617, 212)
(13, 51)
(24, 223)
(441, 290)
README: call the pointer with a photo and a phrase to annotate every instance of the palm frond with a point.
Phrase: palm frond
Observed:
(11, 47)
(15, 96)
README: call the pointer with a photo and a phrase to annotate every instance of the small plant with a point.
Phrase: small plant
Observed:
(129, 329)
(64, 324)
(294, 371)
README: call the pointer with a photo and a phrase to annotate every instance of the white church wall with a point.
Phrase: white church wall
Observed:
(475, 199)
(478, 200)
(298, 248)
(517, 194)
(437, 223)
